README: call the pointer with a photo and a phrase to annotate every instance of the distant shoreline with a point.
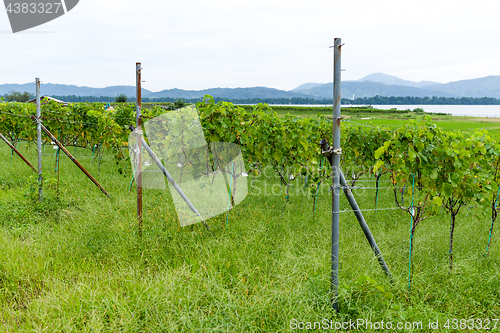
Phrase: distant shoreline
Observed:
(376, 100)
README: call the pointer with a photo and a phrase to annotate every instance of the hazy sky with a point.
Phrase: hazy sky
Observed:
(195, 44)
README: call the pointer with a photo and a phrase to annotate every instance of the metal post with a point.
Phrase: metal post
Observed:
(39, 139)
(139, 144)
(57, 169)
(53, 138)
(336, 174)
(165, 172)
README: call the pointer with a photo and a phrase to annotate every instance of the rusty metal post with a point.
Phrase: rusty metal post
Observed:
(336, 174)
(16, 151)
(53, 138)
(167, 174)
(139, 144)
(39, 139)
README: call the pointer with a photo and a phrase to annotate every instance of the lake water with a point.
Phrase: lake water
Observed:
(490, 111)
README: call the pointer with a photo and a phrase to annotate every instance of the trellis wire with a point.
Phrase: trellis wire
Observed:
(65, 113)
(85, 156)
(365, 210)
(367, 180)
(52, 137)
(368, 187)
(60, 120)
(14, 114)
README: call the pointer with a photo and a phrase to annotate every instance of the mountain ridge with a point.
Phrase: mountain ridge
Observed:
(488, 86)
(57, 89)
(365, 87)
(394, 80)
(235, 93)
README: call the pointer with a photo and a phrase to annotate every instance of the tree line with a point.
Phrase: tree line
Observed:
(375, 100)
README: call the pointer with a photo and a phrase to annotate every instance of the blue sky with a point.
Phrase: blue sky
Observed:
(194, 44)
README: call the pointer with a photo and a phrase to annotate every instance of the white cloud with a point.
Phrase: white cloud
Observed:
(198, 44)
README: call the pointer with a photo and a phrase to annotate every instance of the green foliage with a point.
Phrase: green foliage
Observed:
(449, 165)
(82, 124)
(289, 144)
(87, 270)
(451, 169)
(83, 268)
(368, 290)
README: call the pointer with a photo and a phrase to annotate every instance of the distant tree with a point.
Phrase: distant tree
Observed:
(180, 103)
(16, 96)
(122, 98)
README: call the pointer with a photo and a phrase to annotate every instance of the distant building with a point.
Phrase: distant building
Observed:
(43, 100)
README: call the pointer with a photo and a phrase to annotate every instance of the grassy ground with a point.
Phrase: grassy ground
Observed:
(396, 119)
(492, 125)
(77, 264)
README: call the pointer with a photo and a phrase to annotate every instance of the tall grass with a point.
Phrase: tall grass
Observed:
(75, 263)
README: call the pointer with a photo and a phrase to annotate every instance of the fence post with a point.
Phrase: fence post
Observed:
(39, 139)
(139, 145)
(336, 174)
(71, 157)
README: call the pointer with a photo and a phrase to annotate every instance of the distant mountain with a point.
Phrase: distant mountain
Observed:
(488, 86)
(306, 86)
(68, 90)
(370, 89)
(387, 85)
(394, 80)
(368, 86)
(232, 93)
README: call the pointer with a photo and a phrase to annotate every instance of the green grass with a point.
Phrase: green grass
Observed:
(463, 124)
(76, 263)
(394, 119)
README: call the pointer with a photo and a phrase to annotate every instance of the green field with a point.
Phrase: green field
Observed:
(390, 118)
(75, 263)
(395, 119)
(492, 125)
